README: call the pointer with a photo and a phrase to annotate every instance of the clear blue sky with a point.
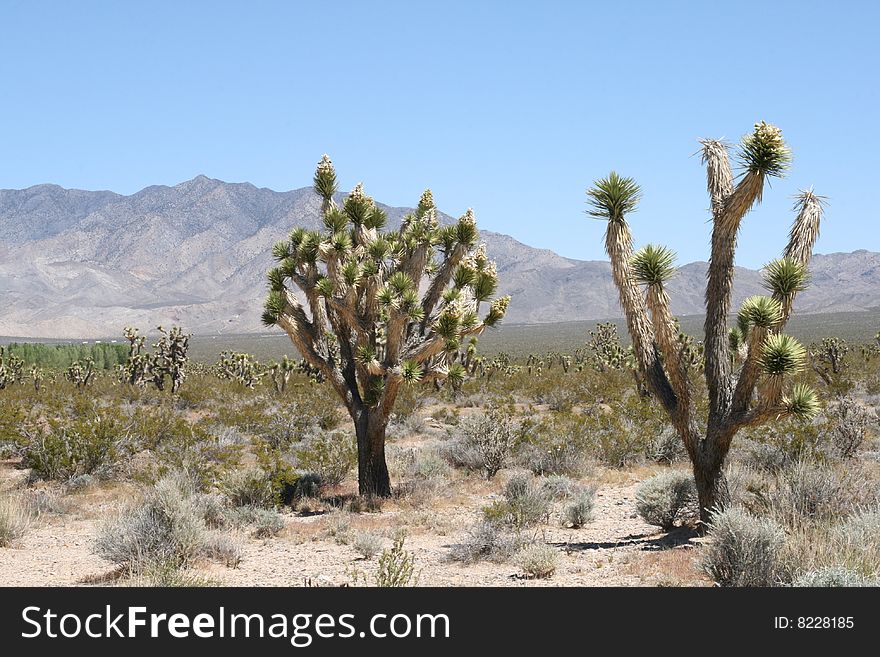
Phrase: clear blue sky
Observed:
(511, 108)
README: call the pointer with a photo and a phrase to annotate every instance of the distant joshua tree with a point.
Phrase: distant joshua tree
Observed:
(365, 325)
(755, 392)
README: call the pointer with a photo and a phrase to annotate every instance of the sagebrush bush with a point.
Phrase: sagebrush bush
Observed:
(858, 539)
(367, 544)
(553, 458)
(264, 522)
(524, 503)
(579, 511)
(166, 530)
(560, 487)
(744, 550)
(15, 518)
(809, 492)
(667, 447)
(835, 576)
(850, 421)
(537, 561)
(250, 487)
(493, 437)
(666, 498)
(222, 548)
(486, 540)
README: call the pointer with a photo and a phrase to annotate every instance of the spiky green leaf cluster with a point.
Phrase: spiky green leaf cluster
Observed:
(653, 265)
(802, 402)
(764, 151)
(761, 311)
(273, 307)
(785, 277)
(613, 197)
(782, 355)
(411, 371)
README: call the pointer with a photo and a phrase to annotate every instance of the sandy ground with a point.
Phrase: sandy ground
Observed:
(616, 549)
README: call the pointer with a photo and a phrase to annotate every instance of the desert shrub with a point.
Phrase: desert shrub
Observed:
(409, 400)
(487, 541)
(744, 550)
(267, 523)
(40, 501)
(524, 504)
(619, 446)
(162, 575)
(155, 425)
(794, 440)
(762, 456)
(666, 498)
(396, 567)
(221, 548)
(165, 529)
(339, 527)
(858, 539)
(553, 459)
(15, 518)
(834, 576)
(308, 485)
(667, 447)
(560, 487)
(213, 509)
(850, 422)
(493, 434)
(580, 510)
(330, 455)
(79, 483)
(463, 454)
(537, 561)
(554, 446)
(201, 453)
(367, 544)
(448, 416)
(250, 487)
(62, 448)
(808, 492)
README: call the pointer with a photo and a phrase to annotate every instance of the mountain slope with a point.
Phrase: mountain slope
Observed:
(76, 263)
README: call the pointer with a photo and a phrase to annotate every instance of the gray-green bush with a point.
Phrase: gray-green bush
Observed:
(744, 550)
(666, 498)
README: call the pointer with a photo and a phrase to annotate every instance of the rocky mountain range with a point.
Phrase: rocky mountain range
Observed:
(84, 264)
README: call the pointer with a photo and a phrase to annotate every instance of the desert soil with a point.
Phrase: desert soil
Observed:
(616, 549)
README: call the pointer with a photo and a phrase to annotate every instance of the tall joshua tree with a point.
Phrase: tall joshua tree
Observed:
(743, 391)
(364, 323)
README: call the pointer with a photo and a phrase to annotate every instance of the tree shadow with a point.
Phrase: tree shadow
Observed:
(675, 538)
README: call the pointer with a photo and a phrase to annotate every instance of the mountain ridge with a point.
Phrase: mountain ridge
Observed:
(83, 264)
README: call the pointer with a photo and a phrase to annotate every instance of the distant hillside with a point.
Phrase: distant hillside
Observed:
(79, 264)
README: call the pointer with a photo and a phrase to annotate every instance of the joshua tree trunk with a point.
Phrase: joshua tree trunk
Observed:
(712, 490)
(373, 479)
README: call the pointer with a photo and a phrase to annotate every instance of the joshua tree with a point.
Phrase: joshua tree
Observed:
(280, 373)
(828, 358)
(37, 377)
(755, 392)
(239, 367)
(169, 359)
(365, 324)
(81, 373)
(10, 368)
